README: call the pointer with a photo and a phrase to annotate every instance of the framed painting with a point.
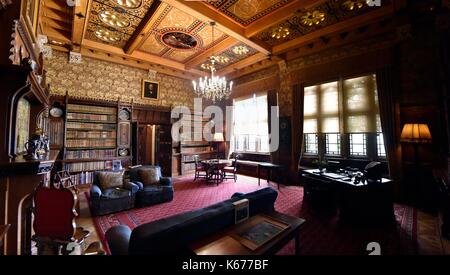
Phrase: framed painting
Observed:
(30, 12)
(150, 89)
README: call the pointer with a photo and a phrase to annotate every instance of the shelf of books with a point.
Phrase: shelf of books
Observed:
(91, 140)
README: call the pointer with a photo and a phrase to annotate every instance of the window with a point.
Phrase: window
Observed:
(251, 128)
(381, 150)
(358, 145)
(342, 115)
(333, 144)
(311, 144)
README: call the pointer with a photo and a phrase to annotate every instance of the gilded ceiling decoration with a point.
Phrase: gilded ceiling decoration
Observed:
(230, 56)
(307, 21)
(240, 50)
(246, 12)
(353, 4)
(280, 32)
(119, 17)
(107, 35)
(129, 4)
(179, 40)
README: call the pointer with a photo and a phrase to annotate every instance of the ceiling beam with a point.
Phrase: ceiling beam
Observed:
(280, 15)
(138, 55)
(202, 12)
(253, 68)
(144, 27)
(220, 47)
(57, 5)
(349, 24)
(243, 63)
(79, 23)
(56, 15)
(54, 34)
(56, 24)
(135, 63)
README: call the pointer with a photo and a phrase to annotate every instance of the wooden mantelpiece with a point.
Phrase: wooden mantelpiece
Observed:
(18, 179)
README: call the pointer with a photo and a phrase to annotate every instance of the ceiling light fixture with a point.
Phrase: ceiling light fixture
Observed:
(114, 19)
(214, 87)
(240, 50)
(280, 32)
(312, 18)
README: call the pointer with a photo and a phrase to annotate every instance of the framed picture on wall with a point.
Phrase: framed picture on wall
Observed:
(30, 12)
(150, 89)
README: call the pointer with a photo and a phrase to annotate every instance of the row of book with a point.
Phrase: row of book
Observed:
(56, 130)
(90, 126)
(91, 109)
(76, 143)
(91, 134)
(93, 117)
(82, 178)
(88, 166)
(91, 154)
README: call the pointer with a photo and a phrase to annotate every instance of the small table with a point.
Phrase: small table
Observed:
(269, 167)
(223, 244)
(214, 169)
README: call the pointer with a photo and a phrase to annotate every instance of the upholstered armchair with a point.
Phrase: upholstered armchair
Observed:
(153, 187)
(111, 193)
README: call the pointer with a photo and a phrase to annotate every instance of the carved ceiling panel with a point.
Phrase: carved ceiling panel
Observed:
(307, 21)
(246, 12)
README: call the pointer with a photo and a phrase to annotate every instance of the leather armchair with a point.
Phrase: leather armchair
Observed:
(154, 193)
(112, 200)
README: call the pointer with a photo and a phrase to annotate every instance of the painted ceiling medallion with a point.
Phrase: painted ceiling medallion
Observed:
(353, 4)
(240, 50)
(129, 4)
(107, 35)
(312, 18)
(114, 19)
(221, 58)
(280, 32)
(179, 40)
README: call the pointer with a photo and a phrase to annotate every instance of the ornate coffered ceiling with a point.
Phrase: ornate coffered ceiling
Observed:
(175, 37)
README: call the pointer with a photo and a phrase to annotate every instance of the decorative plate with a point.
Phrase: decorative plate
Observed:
(56, 112)
(124, 115)
(123, 152)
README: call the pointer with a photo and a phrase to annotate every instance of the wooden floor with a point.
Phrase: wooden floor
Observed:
(430, 241)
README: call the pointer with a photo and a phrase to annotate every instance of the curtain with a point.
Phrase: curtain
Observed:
(297, 122)
(388, 116)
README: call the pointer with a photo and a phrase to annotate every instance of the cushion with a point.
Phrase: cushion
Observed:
(149, 176)
(110, 179)
(116, 193)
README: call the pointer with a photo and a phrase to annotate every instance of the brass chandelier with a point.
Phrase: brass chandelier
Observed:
(214, 88)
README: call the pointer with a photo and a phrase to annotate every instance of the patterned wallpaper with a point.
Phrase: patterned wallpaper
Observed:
(95, 79)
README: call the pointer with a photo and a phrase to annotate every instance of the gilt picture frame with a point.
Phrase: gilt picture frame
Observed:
(150, 89)
(30, 12)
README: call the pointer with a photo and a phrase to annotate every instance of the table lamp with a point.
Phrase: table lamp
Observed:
(416, 134)
(217, 138)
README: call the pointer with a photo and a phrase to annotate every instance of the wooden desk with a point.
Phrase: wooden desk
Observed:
(269, 167)
(223, 244)
(363, 201)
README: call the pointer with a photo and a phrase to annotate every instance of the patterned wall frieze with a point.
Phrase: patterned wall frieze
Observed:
(101, 80)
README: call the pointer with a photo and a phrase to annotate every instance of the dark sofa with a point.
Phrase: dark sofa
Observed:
(111, 200)
(151, 194)
(172, 235)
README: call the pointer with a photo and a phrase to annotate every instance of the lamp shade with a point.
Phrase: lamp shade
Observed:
(218, 137)
(415, 132)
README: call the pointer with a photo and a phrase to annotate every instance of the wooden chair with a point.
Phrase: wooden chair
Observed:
(54, 220)
(201, 171)
(230, 172)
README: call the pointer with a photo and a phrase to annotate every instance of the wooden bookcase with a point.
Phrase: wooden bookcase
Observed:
(95, 137)
(192, 143)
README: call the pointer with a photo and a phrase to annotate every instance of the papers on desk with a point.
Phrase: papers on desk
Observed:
(334, 175)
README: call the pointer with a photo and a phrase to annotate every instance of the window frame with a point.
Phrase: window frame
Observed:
(370, 138)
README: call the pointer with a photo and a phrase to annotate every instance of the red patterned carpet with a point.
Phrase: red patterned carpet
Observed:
(319, 235)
